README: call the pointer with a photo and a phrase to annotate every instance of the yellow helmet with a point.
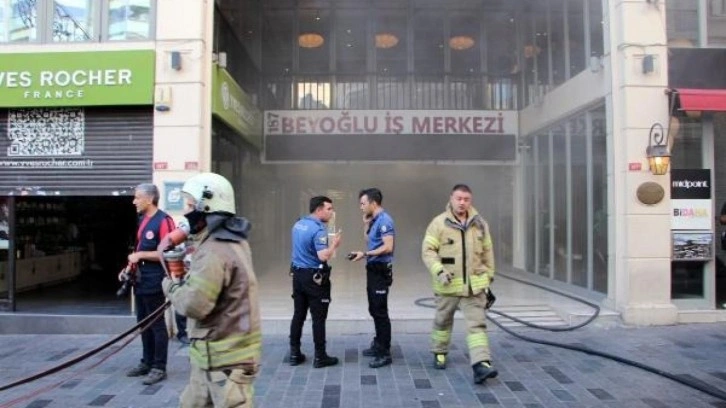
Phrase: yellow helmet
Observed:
(211, 192)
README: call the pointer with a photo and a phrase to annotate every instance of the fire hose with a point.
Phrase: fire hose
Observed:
(172, 264)
(712, 391)
(137, 329)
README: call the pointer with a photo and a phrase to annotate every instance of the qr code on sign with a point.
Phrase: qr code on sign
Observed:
(46, 132)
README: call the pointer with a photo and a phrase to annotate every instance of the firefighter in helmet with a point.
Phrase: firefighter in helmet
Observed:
(219, 296)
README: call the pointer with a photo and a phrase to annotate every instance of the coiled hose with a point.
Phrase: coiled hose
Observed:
(143, 325)
(712, 391)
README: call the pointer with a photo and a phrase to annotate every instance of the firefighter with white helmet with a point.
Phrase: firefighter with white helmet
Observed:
(219, 296)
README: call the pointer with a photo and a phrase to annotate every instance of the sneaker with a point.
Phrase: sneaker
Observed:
(184, 340)
(155, 375)
(440, 361)
(381, 360)
(324, 361)
(483, 370)
(138, 371)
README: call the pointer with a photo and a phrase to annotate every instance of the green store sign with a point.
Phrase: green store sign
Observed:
(234, 107)
(77, 79)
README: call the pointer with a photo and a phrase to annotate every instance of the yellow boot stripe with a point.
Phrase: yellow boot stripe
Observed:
(441, 336)
(477, 340)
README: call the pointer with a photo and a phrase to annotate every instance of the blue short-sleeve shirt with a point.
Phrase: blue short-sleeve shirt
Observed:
(309, 235)
(380, 226)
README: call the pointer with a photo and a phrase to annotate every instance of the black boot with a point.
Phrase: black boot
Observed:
(296, 356)
(382, 359)
(483, 370)
(324, 360)
(373, 351)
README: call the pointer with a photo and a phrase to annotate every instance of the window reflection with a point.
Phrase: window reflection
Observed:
(18, 20)
(129, 19)
(682, 27)
(73, 20)
(561, 247)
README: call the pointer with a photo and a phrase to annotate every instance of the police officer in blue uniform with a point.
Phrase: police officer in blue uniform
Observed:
(311, 279)
(380, 233)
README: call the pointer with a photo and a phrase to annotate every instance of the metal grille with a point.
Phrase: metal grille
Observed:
(116, 151)
(391, 92)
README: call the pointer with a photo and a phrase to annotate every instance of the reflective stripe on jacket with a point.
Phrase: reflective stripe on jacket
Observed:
(220, 298)
(463, 250)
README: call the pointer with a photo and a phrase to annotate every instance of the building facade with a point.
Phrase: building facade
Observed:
(546, 108)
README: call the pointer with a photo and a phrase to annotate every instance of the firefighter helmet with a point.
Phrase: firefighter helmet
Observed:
(211, 192)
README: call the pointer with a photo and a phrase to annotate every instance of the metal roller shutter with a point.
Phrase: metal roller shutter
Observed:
(75, 151)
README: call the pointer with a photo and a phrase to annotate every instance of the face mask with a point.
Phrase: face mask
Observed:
(197, 221)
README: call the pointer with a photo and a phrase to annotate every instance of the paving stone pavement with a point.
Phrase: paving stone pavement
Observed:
(530, 375)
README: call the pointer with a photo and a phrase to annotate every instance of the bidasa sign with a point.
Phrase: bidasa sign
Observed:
(691, 199)
(77, 79)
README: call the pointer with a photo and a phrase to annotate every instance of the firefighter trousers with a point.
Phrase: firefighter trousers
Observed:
(475, 314)
(218, 389)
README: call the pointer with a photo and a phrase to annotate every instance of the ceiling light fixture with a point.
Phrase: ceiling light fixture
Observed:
(386, 40)
(310, 40)
(461, 42)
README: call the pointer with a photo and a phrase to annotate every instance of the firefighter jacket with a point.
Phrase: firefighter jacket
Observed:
(463, 250)
(219, 296)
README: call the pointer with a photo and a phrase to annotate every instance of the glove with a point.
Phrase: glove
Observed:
(444, 278)
(490, 298)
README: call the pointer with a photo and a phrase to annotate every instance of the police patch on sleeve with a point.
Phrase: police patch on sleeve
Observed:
(324, 240)
(384, 228)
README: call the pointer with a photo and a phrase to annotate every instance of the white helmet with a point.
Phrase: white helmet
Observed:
(212, 193)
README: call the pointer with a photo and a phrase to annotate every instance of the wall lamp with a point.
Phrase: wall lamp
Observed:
(659, 158)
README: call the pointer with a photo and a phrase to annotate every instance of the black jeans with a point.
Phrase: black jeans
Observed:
(307, 294)
(154, 340)
(379, 278)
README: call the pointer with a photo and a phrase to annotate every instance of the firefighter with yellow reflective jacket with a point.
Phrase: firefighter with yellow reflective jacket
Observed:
(219, 297)
(457, 251)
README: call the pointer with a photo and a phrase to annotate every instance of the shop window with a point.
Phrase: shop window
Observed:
(682, 24)
(578, 166)
(314, 41)
(277, 32)
(73, 21)
(566, 201)
(313, 95)
(351, 37)
(716, 23)
(18, 21)
(597, 44)
(53, 21)
(687, 144)
(599, 201)
(428, 38)
(465, 60)
(575, 20)
(557, 41)
(545, 226)
(129, 19)
(687, 280)
(561, 207)
(391, 42)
